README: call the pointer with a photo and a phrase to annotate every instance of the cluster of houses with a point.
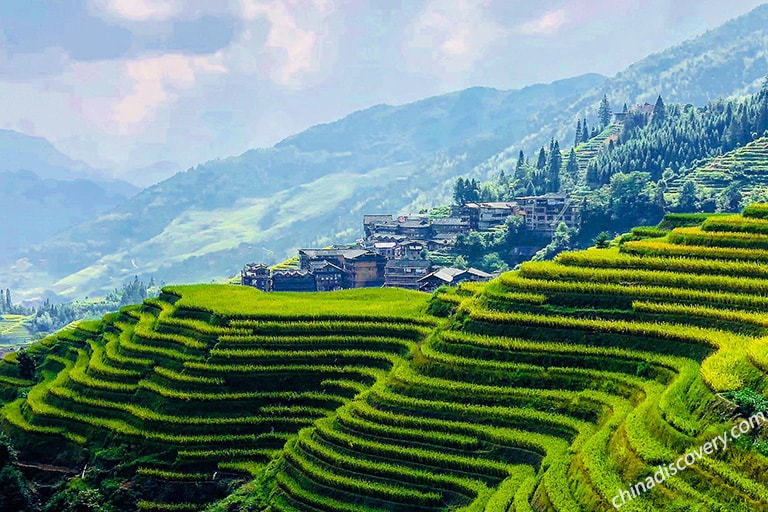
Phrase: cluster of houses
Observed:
(339, 268)
(394, 252)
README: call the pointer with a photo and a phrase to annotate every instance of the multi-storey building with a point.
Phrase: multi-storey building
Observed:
(544, 213)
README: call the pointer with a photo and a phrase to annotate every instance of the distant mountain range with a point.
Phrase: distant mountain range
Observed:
(44, 191)
(312, 189)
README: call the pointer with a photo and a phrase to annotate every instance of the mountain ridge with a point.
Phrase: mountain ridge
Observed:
(260, 194)
(668, 73)
(312, 188)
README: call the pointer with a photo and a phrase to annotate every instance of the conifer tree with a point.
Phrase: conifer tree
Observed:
(577, 138)
(625, 108)
(8, 303)
(542, 161)
(520, 161)
(689, 198)
(572, 167)
(659, 199)
(659, 111)
(553, 167)
(459, 192)
(604, 113)
(473, 190)
(584, 130)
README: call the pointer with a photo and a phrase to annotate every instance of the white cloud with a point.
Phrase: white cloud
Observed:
(547, 24)
(157, 81)
(296, 45)
(140, 10)
(453, 34)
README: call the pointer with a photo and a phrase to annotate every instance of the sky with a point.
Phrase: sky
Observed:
(123, 84)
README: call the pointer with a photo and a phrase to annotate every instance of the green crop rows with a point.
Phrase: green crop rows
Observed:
(547, 389)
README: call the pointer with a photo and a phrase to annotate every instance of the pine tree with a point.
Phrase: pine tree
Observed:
(2, 301)
(459, 192)
(542, 162)
(520, 161)
(577, 138)
(572, 167)
(625, 108)
(659, 200)
(553, 167)
(659, 111)
(689, 197)
(8, 303)
(473, 191)
(604, 113)
(584, 131)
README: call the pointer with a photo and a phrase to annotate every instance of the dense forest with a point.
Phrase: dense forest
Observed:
(624, 173)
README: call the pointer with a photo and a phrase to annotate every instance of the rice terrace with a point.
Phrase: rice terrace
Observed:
(550, 388)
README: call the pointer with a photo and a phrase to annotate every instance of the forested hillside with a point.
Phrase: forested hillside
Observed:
(729, 60)
(310, 189)
(313, 188)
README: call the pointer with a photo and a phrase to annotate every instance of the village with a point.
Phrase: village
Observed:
(395, 250)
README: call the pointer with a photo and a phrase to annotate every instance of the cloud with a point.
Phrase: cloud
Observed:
(295, 45)
(547, 24)
(454, 34)
(157, 81)
(141, 10)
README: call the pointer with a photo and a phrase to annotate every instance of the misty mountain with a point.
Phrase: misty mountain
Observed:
(44, 191)
(148, 175)
(38, 208)
(312, 189)
(309, 189)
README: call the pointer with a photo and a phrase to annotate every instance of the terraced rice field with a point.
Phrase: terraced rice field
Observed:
(12, 331)
(586, 152)
(549, 389)
(746, 166)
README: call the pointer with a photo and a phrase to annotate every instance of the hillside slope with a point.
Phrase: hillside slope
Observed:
(310, 189)
(729, 60)
(44, 192)
(745, 168)
(550, 388)
(39, 208)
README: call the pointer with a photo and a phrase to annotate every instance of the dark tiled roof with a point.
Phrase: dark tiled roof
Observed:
(450, 221)
(256, 266)
(291, 273)
(323, 265)
(324, 253)
(408, 263)
(376, 218)
(414, 224)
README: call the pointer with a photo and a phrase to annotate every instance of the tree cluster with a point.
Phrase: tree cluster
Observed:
(52, 317)
(466, 191)
(6, 304)
(494, 251)
(545, 176)
(677, 138)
